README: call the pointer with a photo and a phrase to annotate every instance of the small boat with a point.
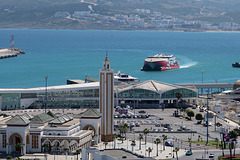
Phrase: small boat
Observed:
(237, 65)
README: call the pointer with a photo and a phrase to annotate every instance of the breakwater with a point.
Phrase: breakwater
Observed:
(7, 53)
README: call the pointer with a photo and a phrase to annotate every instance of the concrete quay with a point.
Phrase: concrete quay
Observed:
(7, 53)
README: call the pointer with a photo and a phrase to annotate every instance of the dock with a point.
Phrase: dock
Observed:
(7, 52)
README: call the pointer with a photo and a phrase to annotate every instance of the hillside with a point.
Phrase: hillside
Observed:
(58, 14)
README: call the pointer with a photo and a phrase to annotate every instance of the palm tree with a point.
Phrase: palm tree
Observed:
(145, 132)
(157, 141)
(105, 143)
(133, 144)
(149, 150)
(164, 139)
(178, 96)
(78, 151)
(115, 137)
(140, 138)
(233, 135)
(123, 130)
(126, 126)
(176, 150)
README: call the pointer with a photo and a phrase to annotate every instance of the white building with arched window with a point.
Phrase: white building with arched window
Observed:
(46, 132)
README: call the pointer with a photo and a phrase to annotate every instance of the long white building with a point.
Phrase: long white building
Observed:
(146, 94)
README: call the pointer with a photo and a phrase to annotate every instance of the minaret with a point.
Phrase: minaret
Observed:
(106, 100)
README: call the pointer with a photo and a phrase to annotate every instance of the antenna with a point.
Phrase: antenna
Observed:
(106, 55)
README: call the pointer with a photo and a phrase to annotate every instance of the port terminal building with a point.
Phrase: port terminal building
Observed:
(146, 94)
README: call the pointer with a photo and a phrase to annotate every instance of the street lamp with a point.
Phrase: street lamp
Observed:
(134, 98)
(46, 77)
(202, 80)
(207, 116)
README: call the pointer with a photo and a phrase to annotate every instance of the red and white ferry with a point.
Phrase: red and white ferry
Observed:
(160, 62)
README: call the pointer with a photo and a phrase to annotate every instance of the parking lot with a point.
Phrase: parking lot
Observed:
(161, 122)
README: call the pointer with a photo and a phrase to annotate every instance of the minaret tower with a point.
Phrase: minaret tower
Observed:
(106, 100)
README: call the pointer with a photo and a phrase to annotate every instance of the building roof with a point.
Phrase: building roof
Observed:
(18, 120)
(90, 112)
(41, 118)
(51, 114)
(83, 86)
(62, 119)
(58, 120)
(28, 116)
(151, 85)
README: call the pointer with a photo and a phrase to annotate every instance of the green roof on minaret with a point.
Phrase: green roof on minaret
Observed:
(91, 113)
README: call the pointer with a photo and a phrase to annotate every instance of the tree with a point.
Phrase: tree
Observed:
(126, 126)
(9, 157)
(18, 146)
(190, 114)
(105, 144)
(133, 144)
(140, 139)
(145, 132)
(164, 139)
(78, 151)
(178, 96)
(232, 136)
(176, 150)
(237, 131)
(157, 141)
(182, 106)
(115, 137)
(199, 117)
(123, 130)
(149, 150)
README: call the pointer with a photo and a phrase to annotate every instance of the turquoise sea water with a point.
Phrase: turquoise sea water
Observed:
(70, 54)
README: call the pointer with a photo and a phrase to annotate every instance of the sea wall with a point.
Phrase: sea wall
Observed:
(7, 53)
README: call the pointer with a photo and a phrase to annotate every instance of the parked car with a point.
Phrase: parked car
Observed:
(211, 155)
(137, 125)
(157, 125)
(201, 110)
(194, 106)
(160, 118)
(142, 111)
(179, 130)
(183, 127)
(169, 143)
(188, 153)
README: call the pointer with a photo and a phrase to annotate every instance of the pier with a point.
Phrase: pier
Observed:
(7, 53)
(210, 87)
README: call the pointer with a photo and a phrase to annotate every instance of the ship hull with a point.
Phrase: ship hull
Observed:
(159, 66)
(236, 65)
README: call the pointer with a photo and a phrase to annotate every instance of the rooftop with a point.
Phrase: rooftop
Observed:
(93, 113)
